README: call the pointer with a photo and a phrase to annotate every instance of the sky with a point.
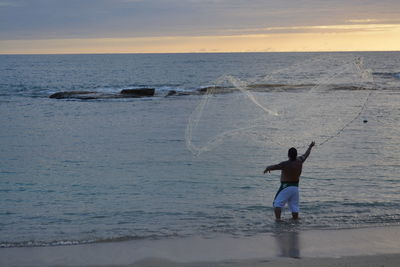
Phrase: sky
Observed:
(182, 26)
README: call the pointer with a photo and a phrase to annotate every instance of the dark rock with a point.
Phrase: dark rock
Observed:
(138, 92)
(216, 90)
(87, 95)
(206, 89)
(71, 94)
(172, 92)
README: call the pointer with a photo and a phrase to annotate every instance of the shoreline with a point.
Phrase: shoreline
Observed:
(286, 247)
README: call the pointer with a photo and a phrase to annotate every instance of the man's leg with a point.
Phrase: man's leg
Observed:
(278, 213)
(280, 201)
(294, 203)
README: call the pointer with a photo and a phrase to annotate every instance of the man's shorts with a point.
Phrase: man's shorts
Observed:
(287, 194)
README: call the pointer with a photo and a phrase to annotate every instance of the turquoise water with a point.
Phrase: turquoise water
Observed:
(74, 171)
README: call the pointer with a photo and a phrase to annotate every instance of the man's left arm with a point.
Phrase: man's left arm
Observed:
(273, 168)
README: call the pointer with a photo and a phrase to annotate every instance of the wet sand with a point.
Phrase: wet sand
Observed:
(387, 260)
(286, 247)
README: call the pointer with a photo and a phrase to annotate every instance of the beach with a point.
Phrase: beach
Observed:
(351, 247)
(356, 261)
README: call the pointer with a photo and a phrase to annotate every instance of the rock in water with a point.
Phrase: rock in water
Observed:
(138, 92)
(86, 95)
(72, 94)
(171, 93)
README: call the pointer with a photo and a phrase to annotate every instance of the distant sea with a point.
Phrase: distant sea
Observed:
(78, 171)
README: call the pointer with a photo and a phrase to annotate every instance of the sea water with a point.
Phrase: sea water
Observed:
(81, 171)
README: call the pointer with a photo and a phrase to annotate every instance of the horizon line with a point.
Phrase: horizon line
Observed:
(202, 52)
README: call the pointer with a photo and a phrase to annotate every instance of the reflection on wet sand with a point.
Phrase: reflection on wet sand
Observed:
(288, 242)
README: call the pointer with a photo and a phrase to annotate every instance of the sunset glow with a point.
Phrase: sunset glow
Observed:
(240, 27)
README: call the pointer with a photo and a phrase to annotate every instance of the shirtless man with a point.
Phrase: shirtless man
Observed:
(290, 176)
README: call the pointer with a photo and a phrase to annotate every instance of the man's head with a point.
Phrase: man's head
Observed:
(292, 153)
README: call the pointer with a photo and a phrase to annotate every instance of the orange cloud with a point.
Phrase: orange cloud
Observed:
(354, 37)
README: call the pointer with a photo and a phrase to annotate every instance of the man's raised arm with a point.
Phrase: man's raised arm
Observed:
(305, 156)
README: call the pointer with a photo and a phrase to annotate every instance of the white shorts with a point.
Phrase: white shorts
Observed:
(288, 195)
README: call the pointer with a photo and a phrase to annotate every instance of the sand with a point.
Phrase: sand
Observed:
(353, 247)
(357, 261)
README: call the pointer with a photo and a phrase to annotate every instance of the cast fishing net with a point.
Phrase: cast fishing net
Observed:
(310, 100)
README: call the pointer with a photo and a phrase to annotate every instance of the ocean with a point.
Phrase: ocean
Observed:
(188, 161)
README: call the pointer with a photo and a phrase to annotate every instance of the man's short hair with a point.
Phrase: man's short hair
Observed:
(292, 153)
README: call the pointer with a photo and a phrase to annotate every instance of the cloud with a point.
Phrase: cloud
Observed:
(339, 28)
(362, 20)
(60, 19)
(280, 42)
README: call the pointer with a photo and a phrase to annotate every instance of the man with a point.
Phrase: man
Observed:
(290, 176)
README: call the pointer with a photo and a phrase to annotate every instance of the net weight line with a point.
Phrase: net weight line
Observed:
(358, 64)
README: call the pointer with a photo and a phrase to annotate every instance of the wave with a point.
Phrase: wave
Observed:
(55, 243)
(266, 87)
(325, 215)
(99, 93)
(392, 75)
(168, 92)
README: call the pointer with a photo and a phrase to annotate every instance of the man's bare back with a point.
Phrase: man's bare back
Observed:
(291, 170)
